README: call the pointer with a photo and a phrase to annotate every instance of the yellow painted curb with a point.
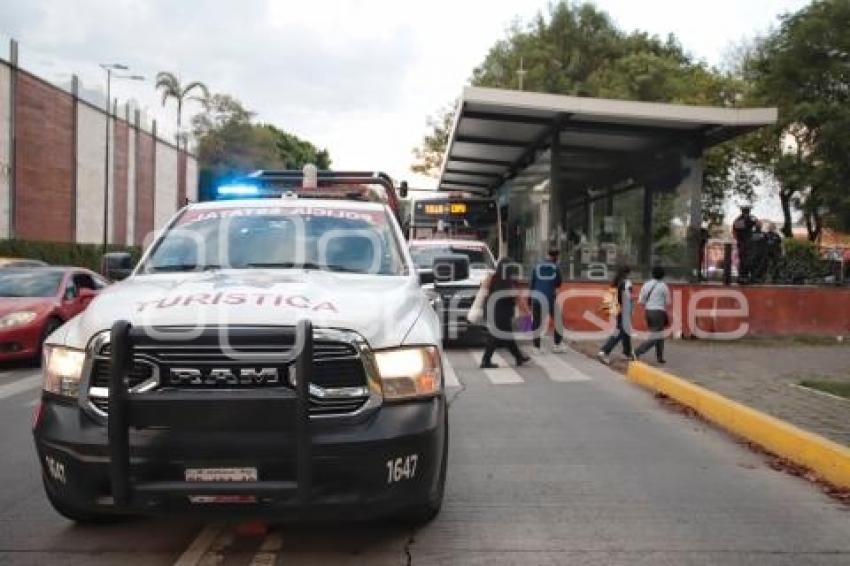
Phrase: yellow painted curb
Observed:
(827, 458)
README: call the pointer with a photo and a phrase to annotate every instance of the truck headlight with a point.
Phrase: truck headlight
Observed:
(408, 373)
(17, 319)
(63, 368)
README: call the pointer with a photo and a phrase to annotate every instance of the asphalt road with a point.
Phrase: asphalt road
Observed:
(562, 462)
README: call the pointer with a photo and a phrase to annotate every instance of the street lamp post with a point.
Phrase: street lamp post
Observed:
(109, 68)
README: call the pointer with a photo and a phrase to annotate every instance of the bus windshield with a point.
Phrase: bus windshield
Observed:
(456, 217)
(424, 255)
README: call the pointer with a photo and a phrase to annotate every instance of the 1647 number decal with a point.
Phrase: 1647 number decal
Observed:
(401, 468)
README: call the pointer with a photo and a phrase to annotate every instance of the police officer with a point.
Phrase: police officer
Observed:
(742, 231)
(773, 244)
(758, 254)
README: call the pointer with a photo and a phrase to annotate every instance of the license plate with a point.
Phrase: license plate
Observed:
(221, 474)
(219, 499)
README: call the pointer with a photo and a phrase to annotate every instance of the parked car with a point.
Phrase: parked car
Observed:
(35, 301)
(7, 262)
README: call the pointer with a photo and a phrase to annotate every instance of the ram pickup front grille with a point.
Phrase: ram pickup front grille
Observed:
(254, 358)
(458, 297)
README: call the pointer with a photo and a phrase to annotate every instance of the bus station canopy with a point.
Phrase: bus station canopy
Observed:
(498, 133)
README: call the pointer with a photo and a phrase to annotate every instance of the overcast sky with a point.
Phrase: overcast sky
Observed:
(357, 77)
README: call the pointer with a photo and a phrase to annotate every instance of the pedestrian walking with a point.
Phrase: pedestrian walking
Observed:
(499, 314)
(622, 287)
(545, 281)
(655, 298)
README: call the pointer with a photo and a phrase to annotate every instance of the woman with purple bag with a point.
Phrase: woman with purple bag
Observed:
(499, 313)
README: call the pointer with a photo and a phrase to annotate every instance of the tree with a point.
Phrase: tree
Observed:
(295, 152)
(429, 155)
(169, 85)
(802, 67)
(231, 144)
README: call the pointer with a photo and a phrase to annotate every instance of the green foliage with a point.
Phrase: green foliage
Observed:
(231, 144)
(801, 263)
(430, 154)
(295, 152)
(802, 67)
(63, 253)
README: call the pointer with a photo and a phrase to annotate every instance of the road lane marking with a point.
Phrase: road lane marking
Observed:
(192, 556)
(269, 549)
(558, 369)
(449, 374)
(20, 386)
(503, 375)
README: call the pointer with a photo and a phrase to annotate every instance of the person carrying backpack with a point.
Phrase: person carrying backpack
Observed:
(620, 304)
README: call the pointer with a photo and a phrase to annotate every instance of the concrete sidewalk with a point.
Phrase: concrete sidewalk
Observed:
(765, 374)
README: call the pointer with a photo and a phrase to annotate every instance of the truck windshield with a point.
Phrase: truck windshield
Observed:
(423, 256)
(279, 237)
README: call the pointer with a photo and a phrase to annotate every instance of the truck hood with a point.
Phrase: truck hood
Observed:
(382, 309)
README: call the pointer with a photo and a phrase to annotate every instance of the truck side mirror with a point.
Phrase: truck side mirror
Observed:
(450, 268)
(402, 189)
(426, 276)
(116, 265)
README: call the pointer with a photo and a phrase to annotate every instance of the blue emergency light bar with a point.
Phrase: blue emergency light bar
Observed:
(238, 190)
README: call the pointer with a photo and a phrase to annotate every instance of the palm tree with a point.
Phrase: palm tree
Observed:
(170, 86)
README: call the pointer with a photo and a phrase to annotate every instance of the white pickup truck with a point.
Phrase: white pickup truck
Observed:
(453, 299)
(270, 357)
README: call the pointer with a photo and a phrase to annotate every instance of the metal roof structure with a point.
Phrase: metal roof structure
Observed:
(498, 133)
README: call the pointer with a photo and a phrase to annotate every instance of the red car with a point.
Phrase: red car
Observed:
(35, 301)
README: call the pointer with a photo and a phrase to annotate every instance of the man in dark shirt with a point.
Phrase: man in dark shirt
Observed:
(773, 243)
(545, 280)
(758, 254)
(742, 231)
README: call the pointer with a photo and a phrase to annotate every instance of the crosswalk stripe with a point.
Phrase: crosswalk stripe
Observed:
(503, 375)
(558, 369)
(20, 386)
(449, 374)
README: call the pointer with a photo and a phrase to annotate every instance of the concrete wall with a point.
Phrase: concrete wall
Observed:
(165, 185)
(91, 147)
(769, 310)
(56, 192)
(192, 179)
(5, 148)
(131, 189)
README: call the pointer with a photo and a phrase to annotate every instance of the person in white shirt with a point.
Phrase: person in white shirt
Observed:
(655, 298)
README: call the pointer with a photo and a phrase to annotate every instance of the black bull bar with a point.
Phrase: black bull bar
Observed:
(208, 410)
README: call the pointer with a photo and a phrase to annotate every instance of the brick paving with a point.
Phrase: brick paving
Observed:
(764, 374)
